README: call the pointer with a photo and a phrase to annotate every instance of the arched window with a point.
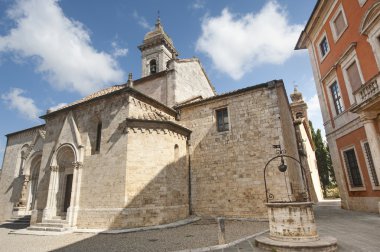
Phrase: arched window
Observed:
(153, 66)
(176, 152)
(98, 137)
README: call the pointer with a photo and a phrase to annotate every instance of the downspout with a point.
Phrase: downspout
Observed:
(189, 174)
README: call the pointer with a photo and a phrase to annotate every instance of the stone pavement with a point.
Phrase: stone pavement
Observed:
(355, 231)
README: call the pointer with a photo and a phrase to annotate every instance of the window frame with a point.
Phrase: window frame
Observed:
(321, 56)
(374, 187)
(331, 97)
(362, 2)
(332, 23)
(350, 187)
(228, 119)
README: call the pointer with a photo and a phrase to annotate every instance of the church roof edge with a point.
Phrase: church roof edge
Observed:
(234, 92)
(24, 130)
(111, 91)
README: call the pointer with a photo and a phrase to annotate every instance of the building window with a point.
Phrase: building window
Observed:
(338, 23)
(352, 168)
(222, 120)
(153, 66)
(324, 47)
(371, 166)
(354, 76)
(98, 137)
(337, 99)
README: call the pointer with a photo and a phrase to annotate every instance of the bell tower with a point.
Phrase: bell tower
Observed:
(156, 50)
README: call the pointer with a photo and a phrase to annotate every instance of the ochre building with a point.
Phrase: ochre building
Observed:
(343, 41)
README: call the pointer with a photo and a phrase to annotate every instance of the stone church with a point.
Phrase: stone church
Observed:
(157, 150)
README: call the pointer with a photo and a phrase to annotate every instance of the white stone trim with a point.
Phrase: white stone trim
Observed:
(373, 40)
(332, 26)
(375, 188)
(350, 188)
(329, 83)
(322, 57)
(362, 2)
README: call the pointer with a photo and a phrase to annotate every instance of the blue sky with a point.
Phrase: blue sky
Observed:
(55, 52)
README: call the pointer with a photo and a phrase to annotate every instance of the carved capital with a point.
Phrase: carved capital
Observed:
(77, 165)
(368, 116)
(54, 168)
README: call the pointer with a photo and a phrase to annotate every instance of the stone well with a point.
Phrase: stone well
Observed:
(293, 221)
(292, 228)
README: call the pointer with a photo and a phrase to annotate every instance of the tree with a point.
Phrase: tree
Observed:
(324, 164)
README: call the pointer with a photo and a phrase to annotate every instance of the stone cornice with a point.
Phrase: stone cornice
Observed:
(131, 123)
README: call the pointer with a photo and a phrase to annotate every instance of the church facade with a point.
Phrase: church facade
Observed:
(158, 149)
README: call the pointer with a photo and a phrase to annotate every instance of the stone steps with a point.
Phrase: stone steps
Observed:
(54, 225)
(49, 229)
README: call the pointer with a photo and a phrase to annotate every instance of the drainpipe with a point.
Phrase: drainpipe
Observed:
(189, 174)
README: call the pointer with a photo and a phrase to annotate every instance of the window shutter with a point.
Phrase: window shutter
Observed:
(339, 24)
(353, 76)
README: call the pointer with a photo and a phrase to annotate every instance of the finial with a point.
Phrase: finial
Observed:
(295, 88)
(130, 81)
(158, 21)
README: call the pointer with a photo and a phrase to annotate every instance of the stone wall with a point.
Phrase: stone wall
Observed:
(188, 80)
(11, 180)
(227, 176)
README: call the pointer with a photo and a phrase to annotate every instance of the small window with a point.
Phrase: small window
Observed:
(354, 76)
(153, 66)
(336, 97)
(176, 152)
(222, 120)
(371, 166)
(98, 137)
(324, 47)
(352, 168)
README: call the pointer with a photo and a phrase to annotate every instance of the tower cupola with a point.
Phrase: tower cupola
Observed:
(157, 49)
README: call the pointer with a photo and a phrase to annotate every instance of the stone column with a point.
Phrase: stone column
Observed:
(50, 209)
(72, 211)
(24, 192)
(369, 121)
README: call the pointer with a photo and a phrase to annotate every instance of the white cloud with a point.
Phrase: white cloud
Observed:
(236, 44)
(118, 51)
(141, 21)
(62, 47)
(198, 4)
(58, 106)
(14, 99)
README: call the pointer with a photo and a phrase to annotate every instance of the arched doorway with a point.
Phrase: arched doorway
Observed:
(65, 169)
(62, 184)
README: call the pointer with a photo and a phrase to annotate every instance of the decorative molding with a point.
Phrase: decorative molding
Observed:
(164, 127)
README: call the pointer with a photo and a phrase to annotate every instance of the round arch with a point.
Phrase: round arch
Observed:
(63, 154)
